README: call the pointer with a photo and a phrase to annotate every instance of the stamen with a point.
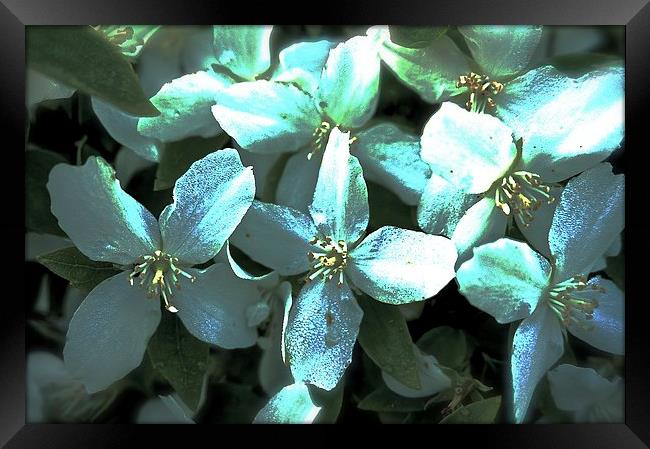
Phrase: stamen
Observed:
(330, 262)
(522, 193)
(481, 90)
(320, 138)
(567, 300)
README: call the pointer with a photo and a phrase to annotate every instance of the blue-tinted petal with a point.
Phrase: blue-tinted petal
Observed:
(243, 49)
(442, 205)
(303, 63)
(292, 405)
(482, 223)
(298, 180)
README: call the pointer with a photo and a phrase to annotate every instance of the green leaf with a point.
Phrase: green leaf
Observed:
(329, 401)
(384, 400)
(80, 57)
(38, 217)
(579, 64)
(448, 345)
(80, 271)
(384, 336)
(481, 412)
(178, 156)
(415, 37)
(386, 209)
(130, 39)
(180, 358)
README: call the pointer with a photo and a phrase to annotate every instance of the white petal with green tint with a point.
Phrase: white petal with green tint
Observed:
(502, 51)
(588, 218)
(298, 181)
(267, 117)
(482, 223)
(399, 266)
(244, 50)
(210, 200)
(568, 124)
(321, 331)
(277, 237)
(185, 108)
(102, 220)
(340, 203)
(349, 86)
(606, 331)
(124, 129)
(538, 343)
(303, 63)
(432, 379)
(391, 157)
(431, 71)
(468, 149)
(505, 278)
(442, 205)
(574, 388)
(292, 405)
(109, 332)
(213, 307)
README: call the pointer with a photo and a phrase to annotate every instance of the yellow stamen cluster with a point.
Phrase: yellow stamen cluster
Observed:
(159, 274)
(330, 262)
(522, 193)
(567, 302)
(320, 138)
(481, 91)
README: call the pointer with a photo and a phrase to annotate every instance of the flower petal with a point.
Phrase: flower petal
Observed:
(482, 223)
(267, 117)
(442, 205)
(322, 328)
(575, 389)
(606, 331)
(391, 157)
(399, 266)
(505, 278)
(298, 180)
(468, 149)
(502, 51)
(213, 307)
(244, 50)
(210, 200)
(109, 332)
(538, 343)
(292, 405)
(113, 226)
(124, 129)
(277, 237)
(432, 379)
(568, 125)
(303, 63)
(185, 108)
(536, 231)
(340, 203)
(349, 86)
(588, 218)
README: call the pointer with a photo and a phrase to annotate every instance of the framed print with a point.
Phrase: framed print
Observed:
(421, 214)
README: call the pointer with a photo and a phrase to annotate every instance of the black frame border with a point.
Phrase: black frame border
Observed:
(16, 14)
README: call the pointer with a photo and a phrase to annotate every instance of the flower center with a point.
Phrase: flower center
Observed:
(159, 274)
(569, 302)
(481, 90)
(330, 262)
(320, 136)
(522, 193)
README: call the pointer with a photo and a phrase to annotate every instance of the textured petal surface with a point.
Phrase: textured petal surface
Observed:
(568, 124)
(391, 157)
(322, 328)
(185, 108)
(298, 181)
(574, 388)
(588, 218)
(244, 50)
(112, 225)
(210, 200)
(340, 204)
(468, 149)
(442, 205)
(303, 63)
(349, 85)
(606, 331)
(267, 117)
(109, 332)
(276, 236)
(432, 379)
(502, 51)
(482, 223)
(538, 343)
(505, 278)
(399, 266)
(292, 405)
(214, 307)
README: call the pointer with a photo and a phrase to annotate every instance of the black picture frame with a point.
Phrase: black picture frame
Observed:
(16, 14)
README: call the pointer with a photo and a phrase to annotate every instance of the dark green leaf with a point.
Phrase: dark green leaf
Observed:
(38, 217)
(80, 57)
(329, 401)
(386, 209)
(179, 156)
(80, 271)
(448, 345)
(481, 412)
(579, 64)
(234, 404)
(180, 358)
(415, 37)
(384, 400)
(130, 39)
(385, 337)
